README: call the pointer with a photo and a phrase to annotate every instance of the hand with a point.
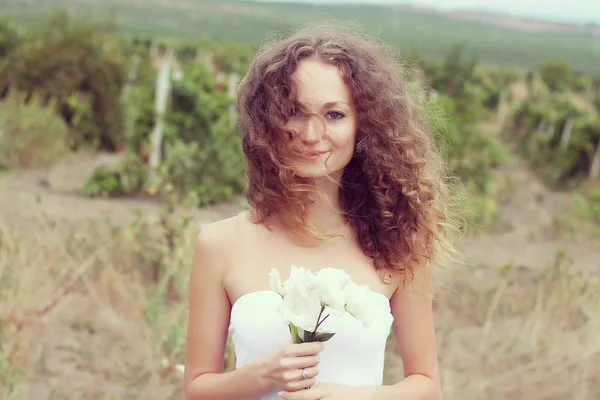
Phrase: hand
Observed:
(322, 391)
(284, 369)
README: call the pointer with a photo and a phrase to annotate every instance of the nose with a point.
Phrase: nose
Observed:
(313, 131)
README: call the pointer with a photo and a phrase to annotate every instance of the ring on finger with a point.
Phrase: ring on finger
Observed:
(304, 374)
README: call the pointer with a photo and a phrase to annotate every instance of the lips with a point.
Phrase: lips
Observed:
(314, 155)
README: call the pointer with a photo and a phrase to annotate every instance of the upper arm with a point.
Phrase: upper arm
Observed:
(414, 327)
(209, 305)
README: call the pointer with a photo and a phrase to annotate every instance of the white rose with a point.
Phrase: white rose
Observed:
(331, 284)
(301, 278)
(358, 302)
(301, 308)
(275, 281)
(298, 278)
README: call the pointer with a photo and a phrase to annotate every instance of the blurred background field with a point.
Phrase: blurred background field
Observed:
(118, 142)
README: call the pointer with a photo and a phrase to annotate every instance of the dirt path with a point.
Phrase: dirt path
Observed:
(527, 233)
(53, 192)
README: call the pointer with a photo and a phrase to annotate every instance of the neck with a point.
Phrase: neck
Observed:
(326, 213)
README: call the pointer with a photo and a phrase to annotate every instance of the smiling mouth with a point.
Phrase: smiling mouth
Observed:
(314, 155)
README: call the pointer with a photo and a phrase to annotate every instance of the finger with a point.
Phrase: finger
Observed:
(293, 386)
(293, 363)
(311, 372)
(308, 394)
(294, 375)
(304, 349)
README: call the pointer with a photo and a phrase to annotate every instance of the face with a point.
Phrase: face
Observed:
(324, 120)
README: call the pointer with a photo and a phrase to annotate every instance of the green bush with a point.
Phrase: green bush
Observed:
(538, 123)
(587, 210)
(470, 153)
(588, 205)
(556, 74)
(79, 65)
(11, 35)
(580, 83)
(126, 179)
(202, 160)
(31, 135)
(451, 74)
(185, 176)
(472, 156)
(199, 117)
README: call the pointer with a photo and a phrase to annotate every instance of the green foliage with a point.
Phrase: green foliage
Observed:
(556, 74)
(580, 83)
(83, 122)
(451, 74)
(538, 125)
(127, 178)
(141, 106)
(493, 82)
(470, 153)
(588, 205)
(460, 77)
(472, 156)
(202, 158)
(31, 135)
(79, 66)
(11, 35)
(468, 93)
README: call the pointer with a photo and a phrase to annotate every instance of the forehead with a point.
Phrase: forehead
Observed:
(317, 83)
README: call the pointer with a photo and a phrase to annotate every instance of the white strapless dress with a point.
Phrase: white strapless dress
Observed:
(353, 357)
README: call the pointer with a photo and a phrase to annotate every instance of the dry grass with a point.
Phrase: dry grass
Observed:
(93, 311)
(98, 311)
(519, 333)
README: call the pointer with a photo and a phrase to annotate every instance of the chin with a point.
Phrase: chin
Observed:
(322, 167)
(312, 174)
(317, 171)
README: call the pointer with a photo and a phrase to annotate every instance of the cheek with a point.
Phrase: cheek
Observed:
(343, 139)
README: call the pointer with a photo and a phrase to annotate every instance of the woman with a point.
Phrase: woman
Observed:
(342, 172)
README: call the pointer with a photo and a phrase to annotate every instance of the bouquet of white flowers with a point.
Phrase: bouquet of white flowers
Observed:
(308, 299)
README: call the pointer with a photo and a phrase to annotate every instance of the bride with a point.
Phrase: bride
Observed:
(342, 172)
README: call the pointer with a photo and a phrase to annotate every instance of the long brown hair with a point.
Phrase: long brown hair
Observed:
(394, 191)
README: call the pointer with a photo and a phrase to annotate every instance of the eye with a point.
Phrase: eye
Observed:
(335, 115)
(295, 113)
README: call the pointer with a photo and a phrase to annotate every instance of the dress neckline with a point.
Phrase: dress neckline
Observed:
(264, 291)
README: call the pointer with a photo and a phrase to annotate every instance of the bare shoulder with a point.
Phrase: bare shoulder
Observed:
(218, 239)
(225, 231)
(218, 234)
(419, 279)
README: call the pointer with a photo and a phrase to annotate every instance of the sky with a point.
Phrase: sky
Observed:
(581, 11)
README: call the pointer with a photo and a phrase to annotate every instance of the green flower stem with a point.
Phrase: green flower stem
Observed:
(314, 333)
(319, 324)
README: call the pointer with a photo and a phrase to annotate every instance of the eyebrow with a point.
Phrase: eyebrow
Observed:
(330, 104)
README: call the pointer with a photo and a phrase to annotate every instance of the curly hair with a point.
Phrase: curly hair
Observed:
(394, 191)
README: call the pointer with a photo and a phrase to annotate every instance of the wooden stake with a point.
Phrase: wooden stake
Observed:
(566, 133)
(163, 89)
